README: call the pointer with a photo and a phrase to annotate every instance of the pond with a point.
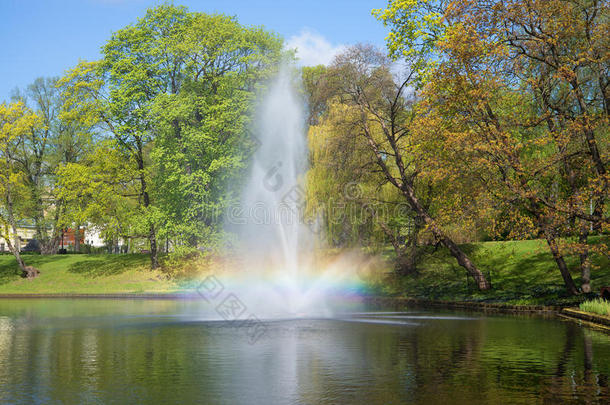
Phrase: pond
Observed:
(172, 351)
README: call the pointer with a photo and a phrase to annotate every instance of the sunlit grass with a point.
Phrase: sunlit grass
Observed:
(597, 306)
(521, 272)
(84, 274)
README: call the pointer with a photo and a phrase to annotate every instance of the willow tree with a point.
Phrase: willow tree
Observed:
(379, 112)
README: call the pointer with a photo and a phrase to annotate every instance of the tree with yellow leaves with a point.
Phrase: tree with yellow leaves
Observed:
(517, 96)
(378, 112)
(16, 121)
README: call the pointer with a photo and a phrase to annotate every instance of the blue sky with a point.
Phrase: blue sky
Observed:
(46, 37)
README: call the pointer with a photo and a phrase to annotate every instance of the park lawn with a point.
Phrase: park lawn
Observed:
(521, 272)
(84, 274)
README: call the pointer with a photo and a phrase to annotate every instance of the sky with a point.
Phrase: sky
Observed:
(47, 37)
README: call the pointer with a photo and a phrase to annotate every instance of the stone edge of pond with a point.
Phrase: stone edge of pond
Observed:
(468, 305)
(589, 318)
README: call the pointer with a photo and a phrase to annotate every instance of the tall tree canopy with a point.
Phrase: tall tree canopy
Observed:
(516, 95)
(175, 92)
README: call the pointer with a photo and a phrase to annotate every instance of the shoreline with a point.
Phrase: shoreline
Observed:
(587, 318)
(564, 312)
(468, 305)
(376, 300)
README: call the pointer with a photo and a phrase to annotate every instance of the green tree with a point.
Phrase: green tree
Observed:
(175, 91)
(202, 123)
(517, 97)
(99, 190)
(54, 142)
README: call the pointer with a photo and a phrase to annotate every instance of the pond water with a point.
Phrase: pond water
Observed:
(170, 351)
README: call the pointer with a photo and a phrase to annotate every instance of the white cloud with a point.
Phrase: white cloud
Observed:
(312, 48)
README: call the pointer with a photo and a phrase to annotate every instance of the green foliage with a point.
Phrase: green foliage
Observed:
(596, 306)
(55, 140)
(99, 190)
(416, 26)
(202, 123)
(16, 123)
(175, 93)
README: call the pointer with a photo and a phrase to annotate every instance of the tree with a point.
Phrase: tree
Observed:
(318, 91)
(16, 123)
(506, 99)
(202, 124)
(381, 114)
(352, 198)
(174, 91)
(99, 190)
(54, 142)
(563, 48)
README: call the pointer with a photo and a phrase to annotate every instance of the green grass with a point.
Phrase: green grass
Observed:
(84, 274)
(596, 306)
(521, 272)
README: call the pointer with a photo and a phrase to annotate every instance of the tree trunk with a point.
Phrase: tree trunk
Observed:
(585, 264)
(406, 185)
(408, 190)
(563, 268)
(462, 259)
(465, 262)
(596, 156)
(152, 236)
(77, 239)
(48, 243)
(15, 249)
(405, 261)
(154, 257)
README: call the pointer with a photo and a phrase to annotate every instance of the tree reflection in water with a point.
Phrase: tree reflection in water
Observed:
(167, 352)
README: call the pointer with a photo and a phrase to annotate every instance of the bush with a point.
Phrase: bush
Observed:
(88, 249)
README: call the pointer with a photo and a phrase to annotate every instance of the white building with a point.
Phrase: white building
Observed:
(93, 237)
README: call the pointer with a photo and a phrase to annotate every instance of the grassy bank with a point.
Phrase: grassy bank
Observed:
(85, 274)
(521, 272)
(597, 306)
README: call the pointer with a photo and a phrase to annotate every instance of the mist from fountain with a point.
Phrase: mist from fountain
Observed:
(278, 275)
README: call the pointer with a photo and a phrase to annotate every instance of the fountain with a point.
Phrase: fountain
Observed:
(278, 277)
